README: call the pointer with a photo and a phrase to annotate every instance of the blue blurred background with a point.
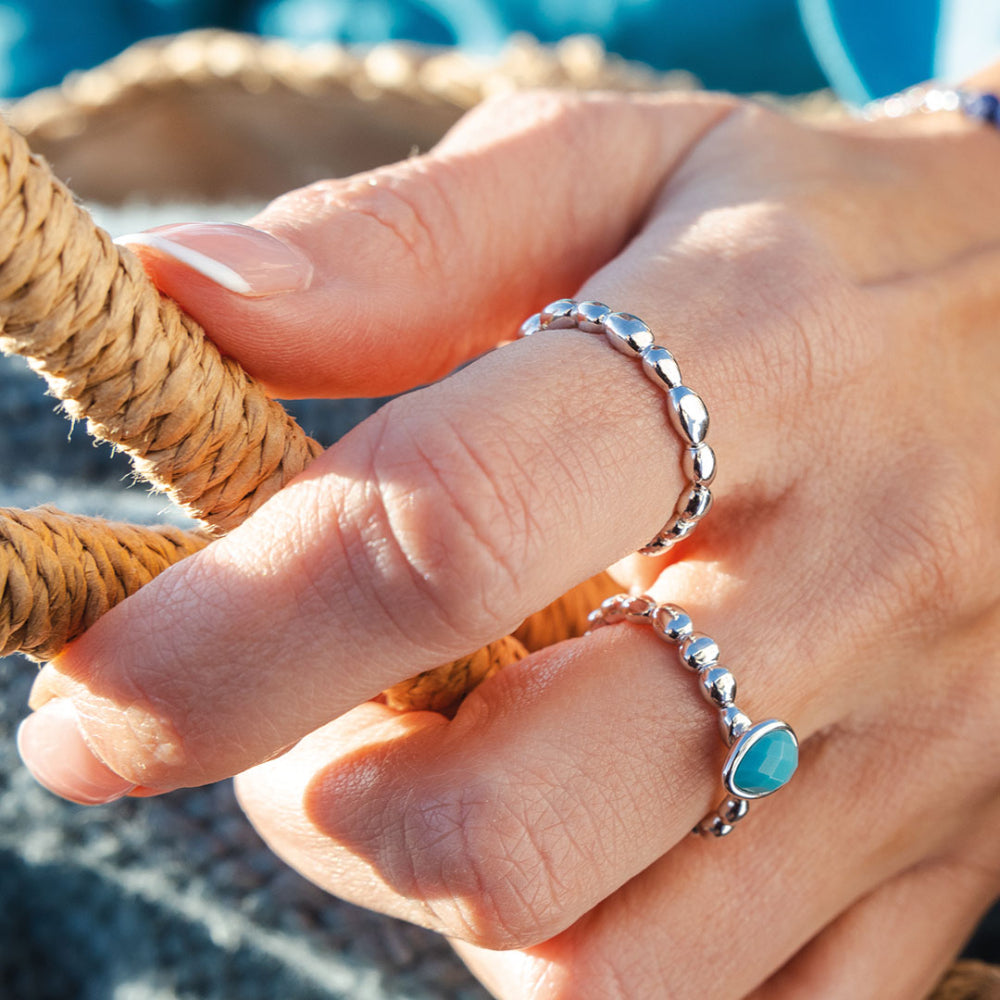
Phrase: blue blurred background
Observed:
(732, 45)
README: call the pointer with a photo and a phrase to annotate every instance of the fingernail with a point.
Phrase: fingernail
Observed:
(241, 259)
(53, 749)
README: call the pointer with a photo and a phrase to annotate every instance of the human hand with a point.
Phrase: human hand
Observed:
(833, 294)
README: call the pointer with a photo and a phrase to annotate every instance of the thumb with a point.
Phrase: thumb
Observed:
(373, 284)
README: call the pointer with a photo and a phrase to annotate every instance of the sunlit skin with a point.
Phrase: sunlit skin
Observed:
(833, 292)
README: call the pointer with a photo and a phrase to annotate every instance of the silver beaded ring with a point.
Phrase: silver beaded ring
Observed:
(687, 412)
(762, 756)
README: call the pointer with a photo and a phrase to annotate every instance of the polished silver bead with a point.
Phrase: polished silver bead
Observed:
(531, 325)
(672, 623)
(698, 463)
(657, 546)
(612, 609)
(677, 529)
(628, 333)
(699, 651)
(561, 307)
(733, 810)
(717, 827)
(733, 724)
(694, 503)
(632, 337)
(596, 619)
(688, 414)
(638, 609)
(559, 314)
(718, 686)
(589, 316)
(659, 364)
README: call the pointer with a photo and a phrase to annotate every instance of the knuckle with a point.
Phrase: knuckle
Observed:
(478, 862)
(451, 533)
(774, 249)
(798, 319)
(928, 559)
(403, 206)
(788, 318)
(409, 214)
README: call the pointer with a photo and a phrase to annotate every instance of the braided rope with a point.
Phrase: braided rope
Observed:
(127, 360)
(969, 980)
(61, 572)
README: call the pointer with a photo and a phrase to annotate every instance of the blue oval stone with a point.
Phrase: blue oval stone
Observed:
(767, 763)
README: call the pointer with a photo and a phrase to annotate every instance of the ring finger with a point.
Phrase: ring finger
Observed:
(558, 781)
(720, 919)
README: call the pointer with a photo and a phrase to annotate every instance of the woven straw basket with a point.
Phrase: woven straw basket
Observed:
(212, 116)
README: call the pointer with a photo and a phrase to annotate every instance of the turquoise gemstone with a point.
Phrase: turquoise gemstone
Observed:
(767, 763)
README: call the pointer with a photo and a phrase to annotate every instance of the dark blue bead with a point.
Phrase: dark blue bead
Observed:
(985, 107)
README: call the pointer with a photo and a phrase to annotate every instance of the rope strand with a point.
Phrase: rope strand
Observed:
(126, 359)
(61, 572)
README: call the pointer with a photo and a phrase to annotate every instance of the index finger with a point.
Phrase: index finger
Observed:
(429, 531)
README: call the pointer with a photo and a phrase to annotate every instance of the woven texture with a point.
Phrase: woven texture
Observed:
(266, 117)
(127, 360)
(970, 981)
(86, 564)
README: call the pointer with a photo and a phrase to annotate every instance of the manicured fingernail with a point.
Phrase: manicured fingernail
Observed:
(240, 258)
(54, 751)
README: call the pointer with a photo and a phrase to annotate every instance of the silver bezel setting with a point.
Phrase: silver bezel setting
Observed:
(738, 732)
(740, 749)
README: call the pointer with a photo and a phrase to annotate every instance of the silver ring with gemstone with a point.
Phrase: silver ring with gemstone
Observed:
(762, 756)
(686, 410)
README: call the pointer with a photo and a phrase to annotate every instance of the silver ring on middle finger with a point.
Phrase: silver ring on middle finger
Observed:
(686, 409)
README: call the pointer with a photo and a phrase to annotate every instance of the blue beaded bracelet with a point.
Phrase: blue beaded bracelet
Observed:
(979, 105)
(982, 106)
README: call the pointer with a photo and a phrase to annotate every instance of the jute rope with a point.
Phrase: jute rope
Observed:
(62, 572)
(127, 360)
(969, 980)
